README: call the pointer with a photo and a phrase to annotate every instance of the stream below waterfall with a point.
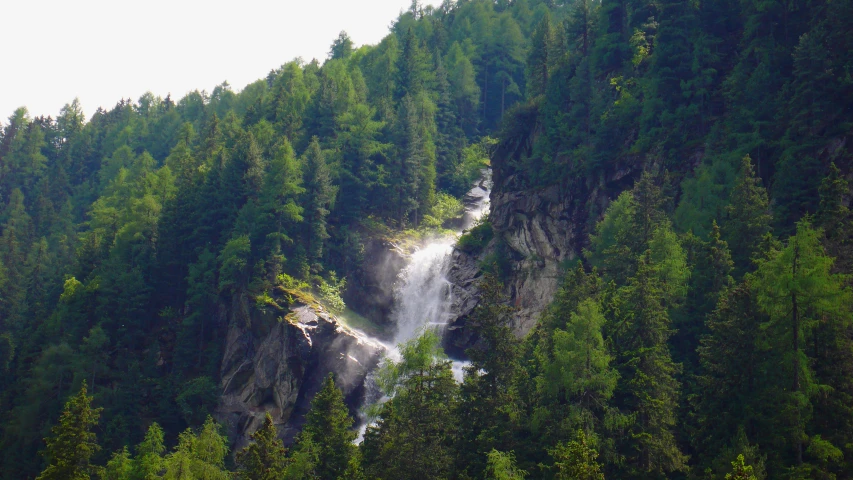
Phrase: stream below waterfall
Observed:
(422, 294)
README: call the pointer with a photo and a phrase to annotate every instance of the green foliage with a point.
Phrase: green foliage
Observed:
(119, 466)
(198, 456)
(197, 399)
(476, 238)
(149, 462)
(576, 460)
(740, 471)
(327, 432)
(747, 218)
(798, 291)
(501, 466)
(264, 458)
(73, 444)
(331, 291)
(412, 436)
(446, 208)
(132, 239)
(234, 264)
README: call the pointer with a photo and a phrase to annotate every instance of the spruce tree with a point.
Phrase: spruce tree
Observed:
(412, 437)
(328, 428)
(576, 460)
(650, 388)
(730, 376)
(797, 289)
(148, 461)
(319, 197)
(747, 218)
(264, 458)
(73, 444)
(740, 471)
(502, 466)
(119, 467)
(487, 397)
(540, 60)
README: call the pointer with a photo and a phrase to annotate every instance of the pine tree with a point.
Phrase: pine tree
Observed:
(69, 451)
(576, 460)
(540, 60)
(740, 471)
(576, 380)
(747, 218)
(319, 197)
(412, 67)
(198, 457)
(730, 375)
(264, 458)
(342, 47)
(279, 206)
(327, 427)
(487, 400)
(651, 388)
(119, 467)
(798, 291)
(502, 466)
(148, 462)
(412, 159)
(413, 434)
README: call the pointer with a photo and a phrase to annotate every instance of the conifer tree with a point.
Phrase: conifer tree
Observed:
(541, 59)
(487, 398)
(747, 217)
(730, 375)
(342, 47)
(279, 206)
(119, 467)
(198, 457)
(740, 471)
(69, 451)
(798, 291)
(650, 385)
(327, 427)
(502, 466)
(576, 380)
(264, 458)
(319, 197)
(412, 67)
(148, 461)
(413, 435)
(576, 460)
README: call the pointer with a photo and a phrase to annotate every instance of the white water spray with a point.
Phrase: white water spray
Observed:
(423, 295)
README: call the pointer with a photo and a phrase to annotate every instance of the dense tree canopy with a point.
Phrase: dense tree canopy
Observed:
(703, 330)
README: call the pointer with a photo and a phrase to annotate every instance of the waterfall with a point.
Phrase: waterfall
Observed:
(422, 296)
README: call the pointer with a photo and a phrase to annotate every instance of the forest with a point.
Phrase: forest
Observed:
(702, 330)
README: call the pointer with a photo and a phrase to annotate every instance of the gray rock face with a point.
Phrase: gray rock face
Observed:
(540, 230)
(370, 290)
(276, 362)
(464, 276)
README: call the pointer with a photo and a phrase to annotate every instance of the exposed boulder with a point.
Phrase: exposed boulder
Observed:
(276, 359)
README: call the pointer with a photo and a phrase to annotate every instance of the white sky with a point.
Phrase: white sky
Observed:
(103, 50)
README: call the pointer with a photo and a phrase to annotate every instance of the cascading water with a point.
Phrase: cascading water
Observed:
(423, 295)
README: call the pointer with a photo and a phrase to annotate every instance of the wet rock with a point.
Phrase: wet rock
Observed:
(370, 289)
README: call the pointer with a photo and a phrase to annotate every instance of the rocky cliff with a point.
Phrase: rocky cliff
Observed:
(537, 233)
(276, 357)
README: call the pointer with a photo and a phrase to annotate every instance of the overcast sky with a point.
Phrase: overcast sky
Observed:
(105, 50)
